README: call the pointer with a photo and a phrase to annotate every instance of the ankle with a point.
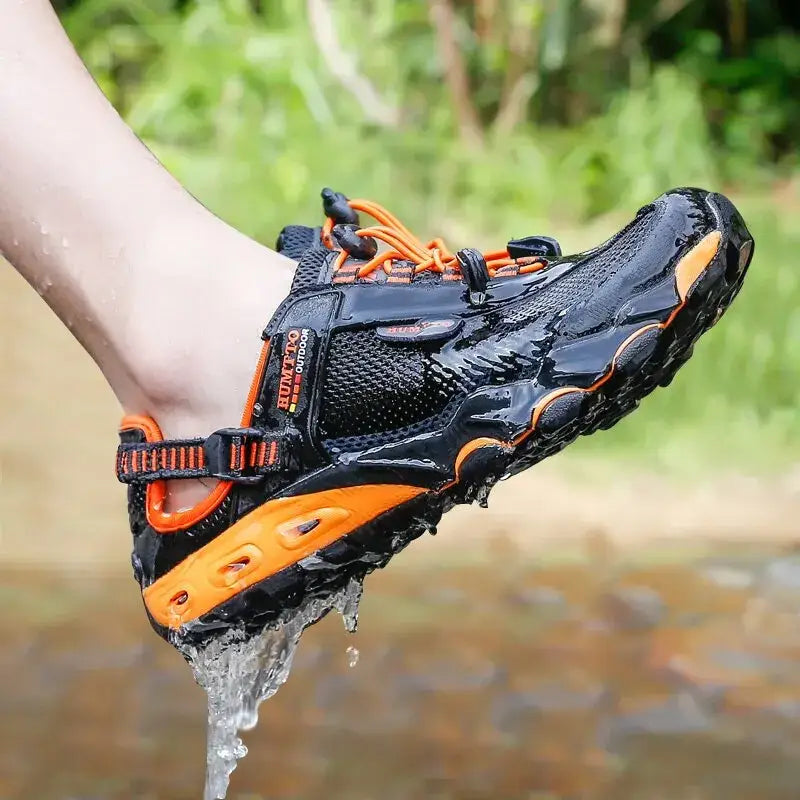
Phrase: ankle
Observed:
(194, 351)
(198, 342)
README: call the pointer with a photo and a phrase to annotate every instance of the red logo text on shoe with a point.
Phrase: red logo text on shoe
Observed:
(293, 364)
(421, 330)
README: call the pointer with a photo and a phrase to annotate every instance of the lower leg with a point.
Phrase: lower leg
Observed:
(168, 299)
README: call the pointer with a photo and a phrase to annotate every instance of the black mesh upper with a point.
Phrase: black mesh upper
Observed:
(625, 244)
(373, 386)
(584, 281)
(376, 387)
(294, 240)
(560, 294)
(587, 278)
(308, 270)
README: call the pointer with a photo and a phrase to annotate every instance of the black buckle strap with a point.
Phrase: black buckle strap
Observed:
(240, 455)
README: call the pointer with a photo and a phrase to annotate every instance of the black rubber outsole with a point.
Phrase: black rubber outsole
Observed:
(648, 358)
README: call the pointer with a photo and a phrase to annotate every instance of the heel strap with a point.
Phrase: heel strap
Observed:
(240, 455)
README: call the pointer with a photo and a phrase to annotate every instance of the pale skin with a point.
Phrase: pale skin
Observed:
(167, 298)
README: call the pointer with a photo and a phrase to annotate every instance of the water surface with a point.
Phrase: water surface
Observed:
(672, 674)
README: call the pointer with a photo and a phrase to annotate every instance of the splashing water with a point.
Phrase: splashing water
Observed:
(239, 672)
(353, 654)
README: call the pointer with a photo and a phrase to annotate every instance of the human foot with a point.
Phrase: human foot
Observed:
(212, 291)
(397, 384)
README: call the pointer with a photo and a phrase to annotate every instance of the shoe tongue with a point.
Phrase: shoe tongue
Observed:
(309, 268)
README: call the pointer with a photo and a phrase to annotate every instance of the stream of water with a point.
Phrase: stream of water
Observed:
(239, 673)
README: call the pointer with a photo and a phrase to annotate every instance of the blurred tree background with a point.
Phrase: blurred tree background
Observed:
(479, 118)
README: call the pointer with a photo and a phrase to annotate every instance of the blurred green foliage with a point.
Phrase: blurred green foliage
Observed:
(495, 116)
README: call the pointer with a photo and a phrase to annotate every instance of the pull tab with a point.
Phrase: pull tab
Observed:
(475, 274)
(360, 247)
(335, 206)
(544, 246)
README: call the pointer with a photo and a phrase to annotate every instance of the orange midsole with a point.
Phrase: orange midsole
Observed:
(274, 536)
(263, 542)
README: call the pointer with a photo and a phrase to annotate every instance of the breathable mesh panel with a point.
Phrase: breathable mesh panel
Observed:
(585, 279)
(551, 299)
(627, 242)
(294, 240)
(307, 272)
(362, 442)
(373, 386)
(629, 253)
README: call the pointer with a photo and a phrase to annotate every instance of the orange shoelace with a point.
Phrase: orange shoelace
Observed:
(404, 245)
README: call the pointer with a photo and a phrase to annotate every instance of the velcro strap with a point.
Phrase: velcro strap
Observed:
(241, 455)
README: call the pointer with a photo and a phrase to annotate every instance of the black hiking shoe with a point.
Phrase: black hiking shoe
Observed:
(397, 382)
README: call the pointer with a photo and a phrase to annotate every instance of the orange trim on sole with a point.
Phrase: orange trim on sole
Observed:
(694, 263)
(263, 542)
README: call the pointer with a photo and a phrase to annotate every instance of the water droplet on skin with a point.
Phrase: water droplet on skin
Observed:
(15, 242)
(64, 242)
(352, 656)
